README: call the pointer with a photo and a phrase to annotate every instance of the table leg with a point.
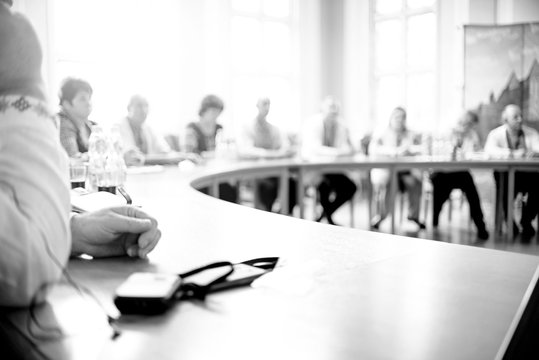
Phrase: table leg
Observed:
(369, 196)
(510, 201)
(214, 191)
(256, 195)
(392, 195)
(300, 190)
(283, 191)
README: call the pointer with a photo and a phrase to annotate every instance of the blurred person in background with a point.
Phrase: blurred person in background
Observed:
(201, 139)
(515, 140)
(395, 141)
(75, 108)
(262, 140)
(465, 139)
(139, 139)
(327, 136)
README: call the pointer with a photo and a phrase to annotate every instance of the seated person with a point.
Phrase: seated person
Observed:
(263, 140)
(465, 138)
(138, 138)
(513, 139)
(76, 107)
(200, 138)
(397, 141)
(326, 135)
(37, 234)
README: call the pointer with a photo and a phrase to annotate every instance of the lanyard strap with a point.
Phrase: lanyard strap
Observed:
(194, 291)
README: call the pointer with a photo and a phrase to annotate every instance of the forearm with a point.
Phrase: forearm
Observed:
(34, 206)
(380, 149)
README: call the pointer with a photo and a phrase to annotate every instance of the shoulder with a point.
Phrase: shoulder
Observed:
(497, 131)
(529, 131)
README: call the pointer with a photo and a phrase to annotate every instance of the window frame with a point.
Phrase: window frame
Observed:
(291, 75)
(404, 72)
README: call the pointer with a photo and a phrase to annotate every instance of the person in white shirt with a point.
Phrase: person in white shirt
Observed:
(327, 136)
(396, 140)
(138, 138)
(515, 140)
(464, 138)
(38, 234)
(262, 140)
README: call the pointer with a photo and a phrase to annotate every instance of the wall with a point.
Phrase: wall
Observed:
(204, 67)
(453, 14)
(332, 36)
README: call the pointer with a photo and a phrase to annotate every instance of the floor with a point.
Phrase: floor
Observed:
(458, 229)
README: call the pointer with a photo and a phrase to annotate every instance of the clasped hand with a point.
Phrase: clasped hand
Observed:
(115, 231)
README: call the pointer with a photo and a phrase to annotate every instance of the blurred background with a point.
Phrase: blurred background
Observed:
(372, 55)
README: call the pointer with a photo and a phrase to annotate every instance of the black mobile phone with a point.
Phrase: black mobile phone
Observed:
(147, 293)
(243, 275)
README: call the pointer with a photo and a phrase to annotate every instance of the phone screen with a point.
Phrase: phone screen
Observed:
(149, 285)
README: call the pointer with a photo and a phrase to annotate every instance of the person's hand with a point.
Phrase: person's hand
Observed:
(195, 158)
(404, 151)
(134, 157)
(116, 231)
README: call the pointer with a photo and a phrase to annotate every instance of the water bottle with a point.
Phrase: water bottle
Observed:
(97, 152)
(106, 164)
(117, 161)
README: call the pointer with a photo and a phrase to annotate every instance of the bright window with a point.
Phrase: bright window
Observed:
(262, 61)
(137, 46)
(405, 50)
(121, 48)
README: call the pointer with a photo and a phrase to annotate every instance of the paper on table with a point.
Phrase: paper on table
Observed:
(94, 201)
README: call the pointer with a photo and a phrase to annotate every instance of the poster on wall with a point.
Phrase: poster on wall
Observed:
(501, 67)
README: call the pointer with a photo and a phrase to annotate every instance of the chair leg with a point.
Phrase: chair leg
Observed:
(401, 205)
(498, 209)
(352, 217)
(449, 209)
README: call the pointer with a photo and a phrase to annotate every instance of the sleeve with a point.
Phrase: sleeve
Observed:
(34, 209)
(416, 144)
(128, 139)
(345, 146)
(191, 141)
(68, 138)
(534, 141)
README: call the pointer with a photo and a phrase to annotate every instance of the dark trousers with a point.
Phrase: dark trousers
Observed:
(526, 183)
(227, 192)
(335, 190)
(268, 189)
(442, 185)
